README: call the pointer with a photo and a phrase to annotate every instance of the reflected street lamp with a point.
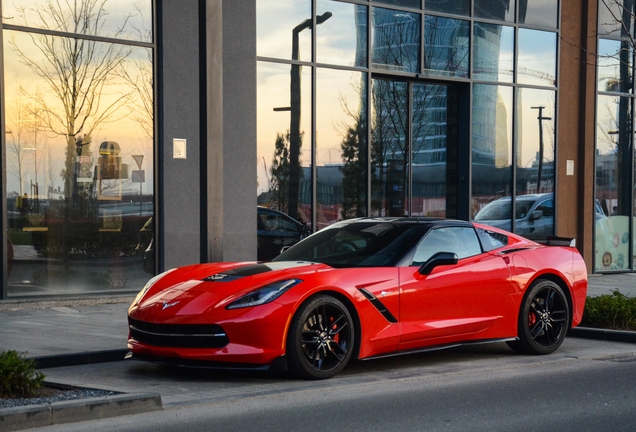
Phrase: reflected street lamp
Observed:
(540, 169)
(294, 127)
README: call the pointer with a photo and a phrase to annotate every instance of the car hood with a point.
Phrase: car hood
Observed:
(202, 288)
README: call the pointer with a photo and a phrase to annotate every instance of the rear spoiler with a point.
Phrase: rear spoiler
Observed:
(559, 241)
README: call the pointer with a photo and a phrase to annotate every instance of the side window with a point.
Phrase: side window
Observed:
(491, 240)
(462, 241)
(547, 207)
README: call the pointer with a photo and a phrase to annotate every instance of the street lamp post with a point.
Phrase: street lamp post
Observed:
(540, 168)
(294, 127)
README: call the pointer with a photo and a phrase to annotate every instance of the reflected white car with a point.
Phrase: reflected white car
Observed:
(534, 215)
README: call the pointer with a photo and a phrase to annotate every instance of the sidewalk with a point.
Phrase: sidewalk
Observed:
(73, 331)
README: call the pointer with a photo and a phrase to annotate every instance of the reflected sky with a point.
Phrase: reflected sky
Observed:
(275, 22)
(120, 18)
(609, 66)
(493, 48)
(273, 88)
(342, 39)
(22, 87)
(536, 63)
(528, 125)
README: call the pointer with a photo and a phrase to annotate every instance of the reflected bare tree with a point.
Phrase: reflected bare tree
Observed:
(79, 73)
(18, 115)
(280, 171)
(81, 86)
(622, 17)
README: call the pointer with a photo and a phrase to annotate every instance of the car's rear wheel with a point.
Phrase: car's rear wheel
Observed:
(544, 319)
(321, 338)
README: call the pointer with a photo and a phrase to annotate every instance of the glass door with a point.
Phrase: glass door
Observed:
(414, 149)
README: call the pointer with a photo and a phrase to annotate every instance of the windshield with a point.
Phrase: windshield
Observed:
(500, 210)
(363, 244)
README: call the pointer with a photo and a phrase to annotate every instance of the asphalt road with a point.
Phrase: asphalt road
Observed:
(586, 386)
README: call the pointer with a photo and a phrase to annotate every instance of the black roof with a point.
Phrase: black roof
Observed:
(433, 221)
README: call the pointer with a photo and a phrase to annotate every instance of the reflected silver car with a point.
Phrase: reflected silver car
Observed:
(534, 215)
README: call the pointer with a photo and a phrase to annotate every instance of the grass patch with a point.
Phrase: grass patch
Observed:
(614, 311)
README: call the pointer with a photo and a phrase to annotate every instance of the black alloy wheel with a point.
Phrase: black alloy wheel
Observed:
(320, 339)
(544, 319)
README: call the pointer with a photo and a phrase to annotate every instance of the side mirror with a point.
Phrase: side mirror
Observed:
(439, 259)
(537, 214)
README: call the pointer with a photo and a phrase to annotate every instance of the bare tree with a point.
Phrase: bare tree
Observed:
(17, 131)
(141, 80)
(78, 72)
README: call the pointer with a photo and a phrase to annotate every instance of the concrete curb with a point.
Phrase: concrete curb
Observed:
(31, 416)
(603, 334)
(76, 359)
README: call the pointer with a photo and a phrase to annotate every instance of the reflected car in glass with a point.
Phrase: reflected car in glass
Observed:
(362, 289)
(276, 231)
(534, 215)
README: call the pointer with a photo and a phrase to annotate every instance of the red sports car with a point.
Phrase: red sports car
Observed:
(363, 288)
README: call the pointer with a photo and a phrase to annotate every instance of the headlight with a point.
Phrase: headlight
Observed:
(150, 283)
(263, 295)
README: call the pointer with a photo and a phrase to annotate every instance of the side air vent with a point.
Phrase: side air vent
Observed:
(378, 305)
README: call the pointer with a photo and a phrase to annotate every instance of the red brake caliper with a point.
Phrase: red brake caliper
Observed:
(334, 327)
(532, 318)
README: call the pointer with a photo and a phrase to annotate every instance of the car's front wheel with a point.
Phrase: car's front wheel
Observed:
(544, 319)
(321, 338)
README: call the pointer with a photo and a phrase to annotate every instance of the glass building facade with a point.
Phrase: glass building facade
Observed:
(497, 111)
(78, 99)
(615, 166)
(408, 108)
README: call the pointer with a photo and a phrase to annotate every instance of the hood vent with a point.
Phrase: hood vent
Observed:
(238, 273)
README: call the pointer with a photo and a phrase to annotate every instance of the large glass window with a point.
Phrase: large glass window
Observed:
(396, 40)
(492, 151)
(536, 61)
(120, 19)
(341, 39)
(429, 147)
(398, 74)
(612, 15)
(615, 163)
(283, 29)
(535, 155)
(389, 147)
(284, 139)
(503, 10)
(541, 13)
(341, 146)
(614, 66)
(79, 148)
(446, 46)
(493, 52)
(613, 194)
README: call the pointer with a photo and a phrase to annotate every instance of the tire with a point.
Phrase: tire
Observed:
(316, 350)
(544, 319)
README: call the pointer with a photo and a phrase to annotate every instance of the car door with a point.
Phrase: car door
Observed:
(457, 302)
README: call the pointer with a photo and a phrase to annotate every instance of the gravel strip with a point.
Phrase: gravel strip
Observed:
(49, 395)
